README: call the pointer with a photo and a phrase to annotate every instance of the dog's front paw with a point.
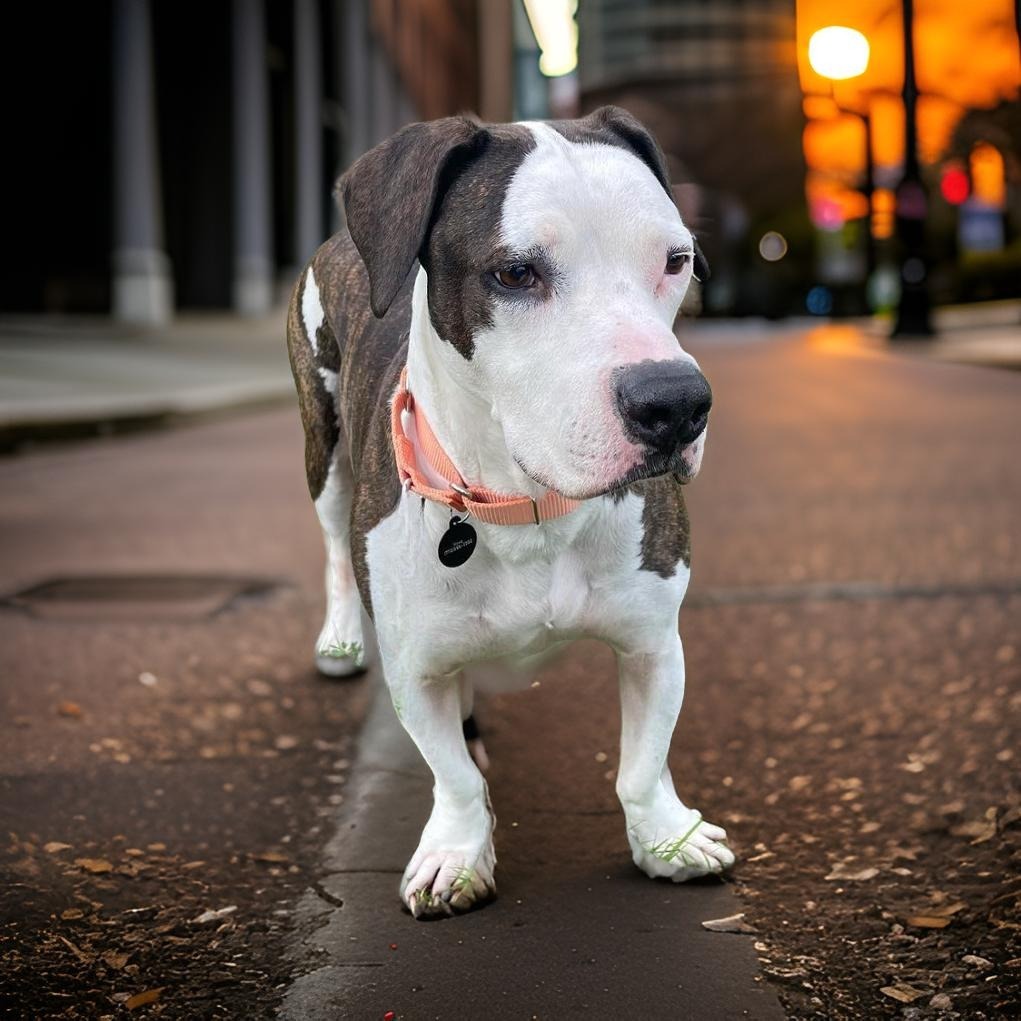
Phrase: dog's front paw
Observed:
(340, 659)
(445, 881)
(681, 849)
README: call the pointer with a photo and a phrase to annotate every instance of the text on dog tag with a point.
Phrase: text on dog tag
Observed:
(457, 543)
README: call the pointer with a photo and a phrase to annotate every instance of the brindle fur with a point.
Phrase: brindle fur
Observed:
(666, 536)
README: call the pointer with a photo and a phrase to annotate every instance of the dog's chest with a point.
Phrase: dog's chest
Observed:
(520, 592)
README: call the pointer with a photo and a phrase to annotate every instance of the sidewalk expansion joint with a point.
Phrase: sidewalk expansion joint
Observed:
(851, 591)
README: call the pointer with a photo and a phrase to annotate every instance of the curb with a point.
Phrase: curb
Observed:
(104, 417)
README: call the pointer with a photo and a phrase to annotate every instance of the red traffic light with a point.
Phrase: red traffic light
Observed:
(954, 185)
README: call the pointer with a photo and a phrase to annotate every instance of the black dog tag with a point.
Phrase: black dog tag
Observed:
(457, 543)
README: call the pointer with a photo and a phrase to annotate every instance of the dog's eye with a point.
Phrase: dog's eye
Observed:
(516, 277)
(676, 261)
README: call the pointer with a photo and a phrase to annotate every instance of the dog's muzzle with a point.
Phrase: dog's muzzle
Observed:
(664, 404)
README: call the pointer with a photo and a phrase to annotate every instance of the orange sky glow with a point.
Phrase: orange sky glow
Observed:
(966, 55)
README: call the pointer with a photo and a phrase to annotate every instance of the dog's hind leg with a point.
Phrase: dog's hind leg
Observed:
(470, 727)
(315, 361)
(340, 647)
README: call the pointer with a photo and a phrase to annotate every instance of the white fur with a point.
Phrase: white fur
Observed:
(538, 390)
(311, 310)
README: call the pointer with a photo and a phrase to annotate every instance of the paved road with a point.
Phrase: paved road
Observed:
(857, 554)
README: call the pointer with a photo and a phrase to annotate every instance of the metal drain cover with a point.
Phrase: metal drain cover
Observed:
(136, 596)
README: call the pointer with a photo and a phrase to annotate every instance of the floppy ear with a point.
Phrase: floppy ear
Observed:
(701, 268)
(391, 193)
(639, 140)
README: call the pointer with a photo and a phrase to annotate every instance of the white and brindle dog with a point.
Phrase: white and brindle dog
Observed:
(541, 395)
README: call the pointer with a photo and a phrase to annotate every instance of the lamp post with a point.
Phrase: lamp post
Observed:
(837, 54)
(913, 318)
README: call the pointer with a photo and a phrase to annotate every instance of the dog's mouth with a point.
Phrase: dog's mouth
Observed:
(657, 465)
(682, 464)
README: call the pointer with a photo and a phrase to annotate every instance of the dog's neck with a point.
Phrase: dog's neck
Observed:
(444, 386)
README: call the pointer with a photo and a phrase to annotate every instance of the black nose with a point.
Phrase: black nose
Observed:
(665, 404)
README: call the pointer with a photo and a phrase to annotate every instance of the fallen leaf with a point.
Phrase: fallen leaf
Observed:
(976, 962)
(285, 742)
(732, 923)
(845, 872)
(71, 710)
(94, 865)
(84, 958)
(115, 961)
(927, 921)
(141, 999)
(212, 916)
(980, 830)
(271, 856)
(54, 846)
(946, 910)
(72, 914)
(902, 991)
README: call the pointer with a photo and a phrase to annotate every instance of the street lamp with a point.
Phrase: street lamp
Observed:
(838, 53)
(912, 204)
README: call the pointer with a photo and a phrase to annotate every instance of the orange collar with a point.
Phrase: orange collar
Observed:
(479, 502)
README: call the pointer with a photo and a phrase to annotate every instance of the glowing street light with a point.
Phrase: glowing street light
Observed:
(838, 53)
(556, 32)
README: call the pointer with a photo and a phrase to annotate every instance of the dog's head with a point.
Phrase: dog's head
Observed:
(556, 262)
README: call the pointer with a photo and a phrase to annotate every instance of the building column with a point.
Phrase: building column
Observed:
(308, 134)
(143, 290)
(355, 84)
(496, 59)
(253, 246)
(384, 99)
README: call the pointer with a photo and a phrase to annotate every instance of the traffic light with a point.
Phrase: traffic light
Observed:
(954, 184)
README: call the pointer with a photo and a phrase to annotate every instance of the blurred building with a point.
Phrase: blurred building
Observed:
(718, 84)
(182, 155)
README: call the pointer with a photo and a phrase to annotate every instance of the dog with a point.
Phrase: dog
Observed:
(499, 420)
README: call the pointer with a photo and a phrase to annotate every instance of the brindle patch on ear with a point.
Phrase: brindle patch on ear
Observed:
(666, 535)
(465, 239)
(391, 195)
(612, 125)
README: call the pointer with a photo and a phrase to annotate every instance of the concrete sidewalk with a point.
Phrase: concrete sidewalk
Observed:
(987, 333)
(65, 377)
(576, 932)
